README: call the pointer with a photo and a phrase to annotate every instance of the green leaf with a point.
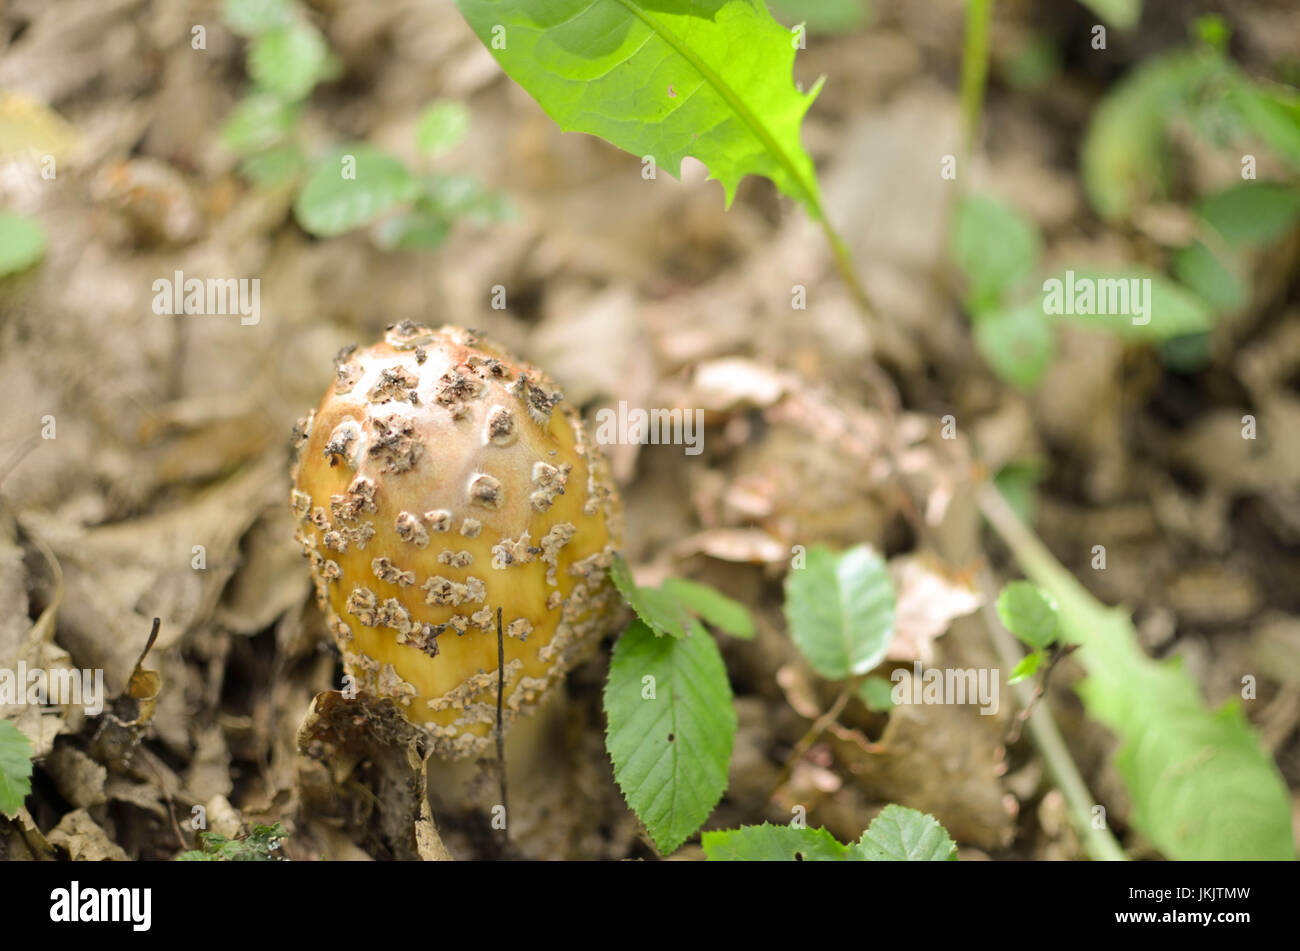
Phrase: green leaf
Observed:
(665, 78)
(1252, 213)
(772, 843)
(274, 167)
(878, 694)
(441, 127)
(258, 122)
(713, 606)
(840, 610)
(253, 17)
(463, 196)
(260, 845)
(821, 16)
(1029, 613)
(994, 246)
(662, 612)
(1121, 14)
(669, 737)
(330, 204)
(1124, 157)
(22, 243)
(1027, 667)
(289, 61)
(1272, 112)
(15, 768)
(1202, 785)
(1206, 275)
(899, 834)
(1016, 342)
(1018, 483)
(413, 230)
(1121, 307)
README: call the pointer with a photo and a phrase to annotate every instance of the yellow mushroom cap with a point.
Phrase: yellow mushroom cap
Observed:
(439, 480)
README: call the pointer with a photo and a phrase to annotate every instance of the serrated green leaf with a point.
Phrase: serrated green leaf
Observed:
(253, 17)
(1027, 667)
(1169, 310)
(840, 610)
(712, 606)
(900, 834)
(710, 79)
(772, 843)
(1252, 213)
(331, 204)
(15, 768)
(22, 243)
(994, 246)
(441, 127)
(1029, 612)
(258, 122)
(1016, 342)
(289, 61)
(670, 737)
(661, 612)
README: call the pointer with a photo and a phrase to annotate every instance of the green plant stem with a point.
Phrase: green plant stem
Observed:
(975, 66)
(844, 266)
(1099, 843)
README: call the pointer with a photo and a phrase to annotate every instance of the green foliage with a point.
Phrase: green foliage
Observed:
(1202, 785)
(822, 16)
(1121, 14)
(773, 843)
(253, 17)
(878, 694)
(671, 729)
(1017, 342)
(675, 607)
(669, 79)
(1173, 310)
(995, 247)
(22, 243)
(712, 606)
(15, 768)
(1026, 668)
(1029, 613)
(905, 835)
(442, 126)
(840, 610)
(1251, 213)
(898, 834)
(287, 58)
(289, 61)
(351, 186)
(260, 845)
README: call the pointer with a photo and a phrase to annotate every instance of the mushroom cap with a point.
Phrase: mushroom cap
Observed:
(439, 480)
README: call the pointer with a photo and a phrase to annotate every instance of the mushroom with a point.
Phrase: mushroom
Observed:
(439, 482)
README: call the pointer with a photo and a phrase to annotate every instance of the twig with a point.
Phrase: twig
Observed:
(501, 735)
(820, 726)
(975, 67)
